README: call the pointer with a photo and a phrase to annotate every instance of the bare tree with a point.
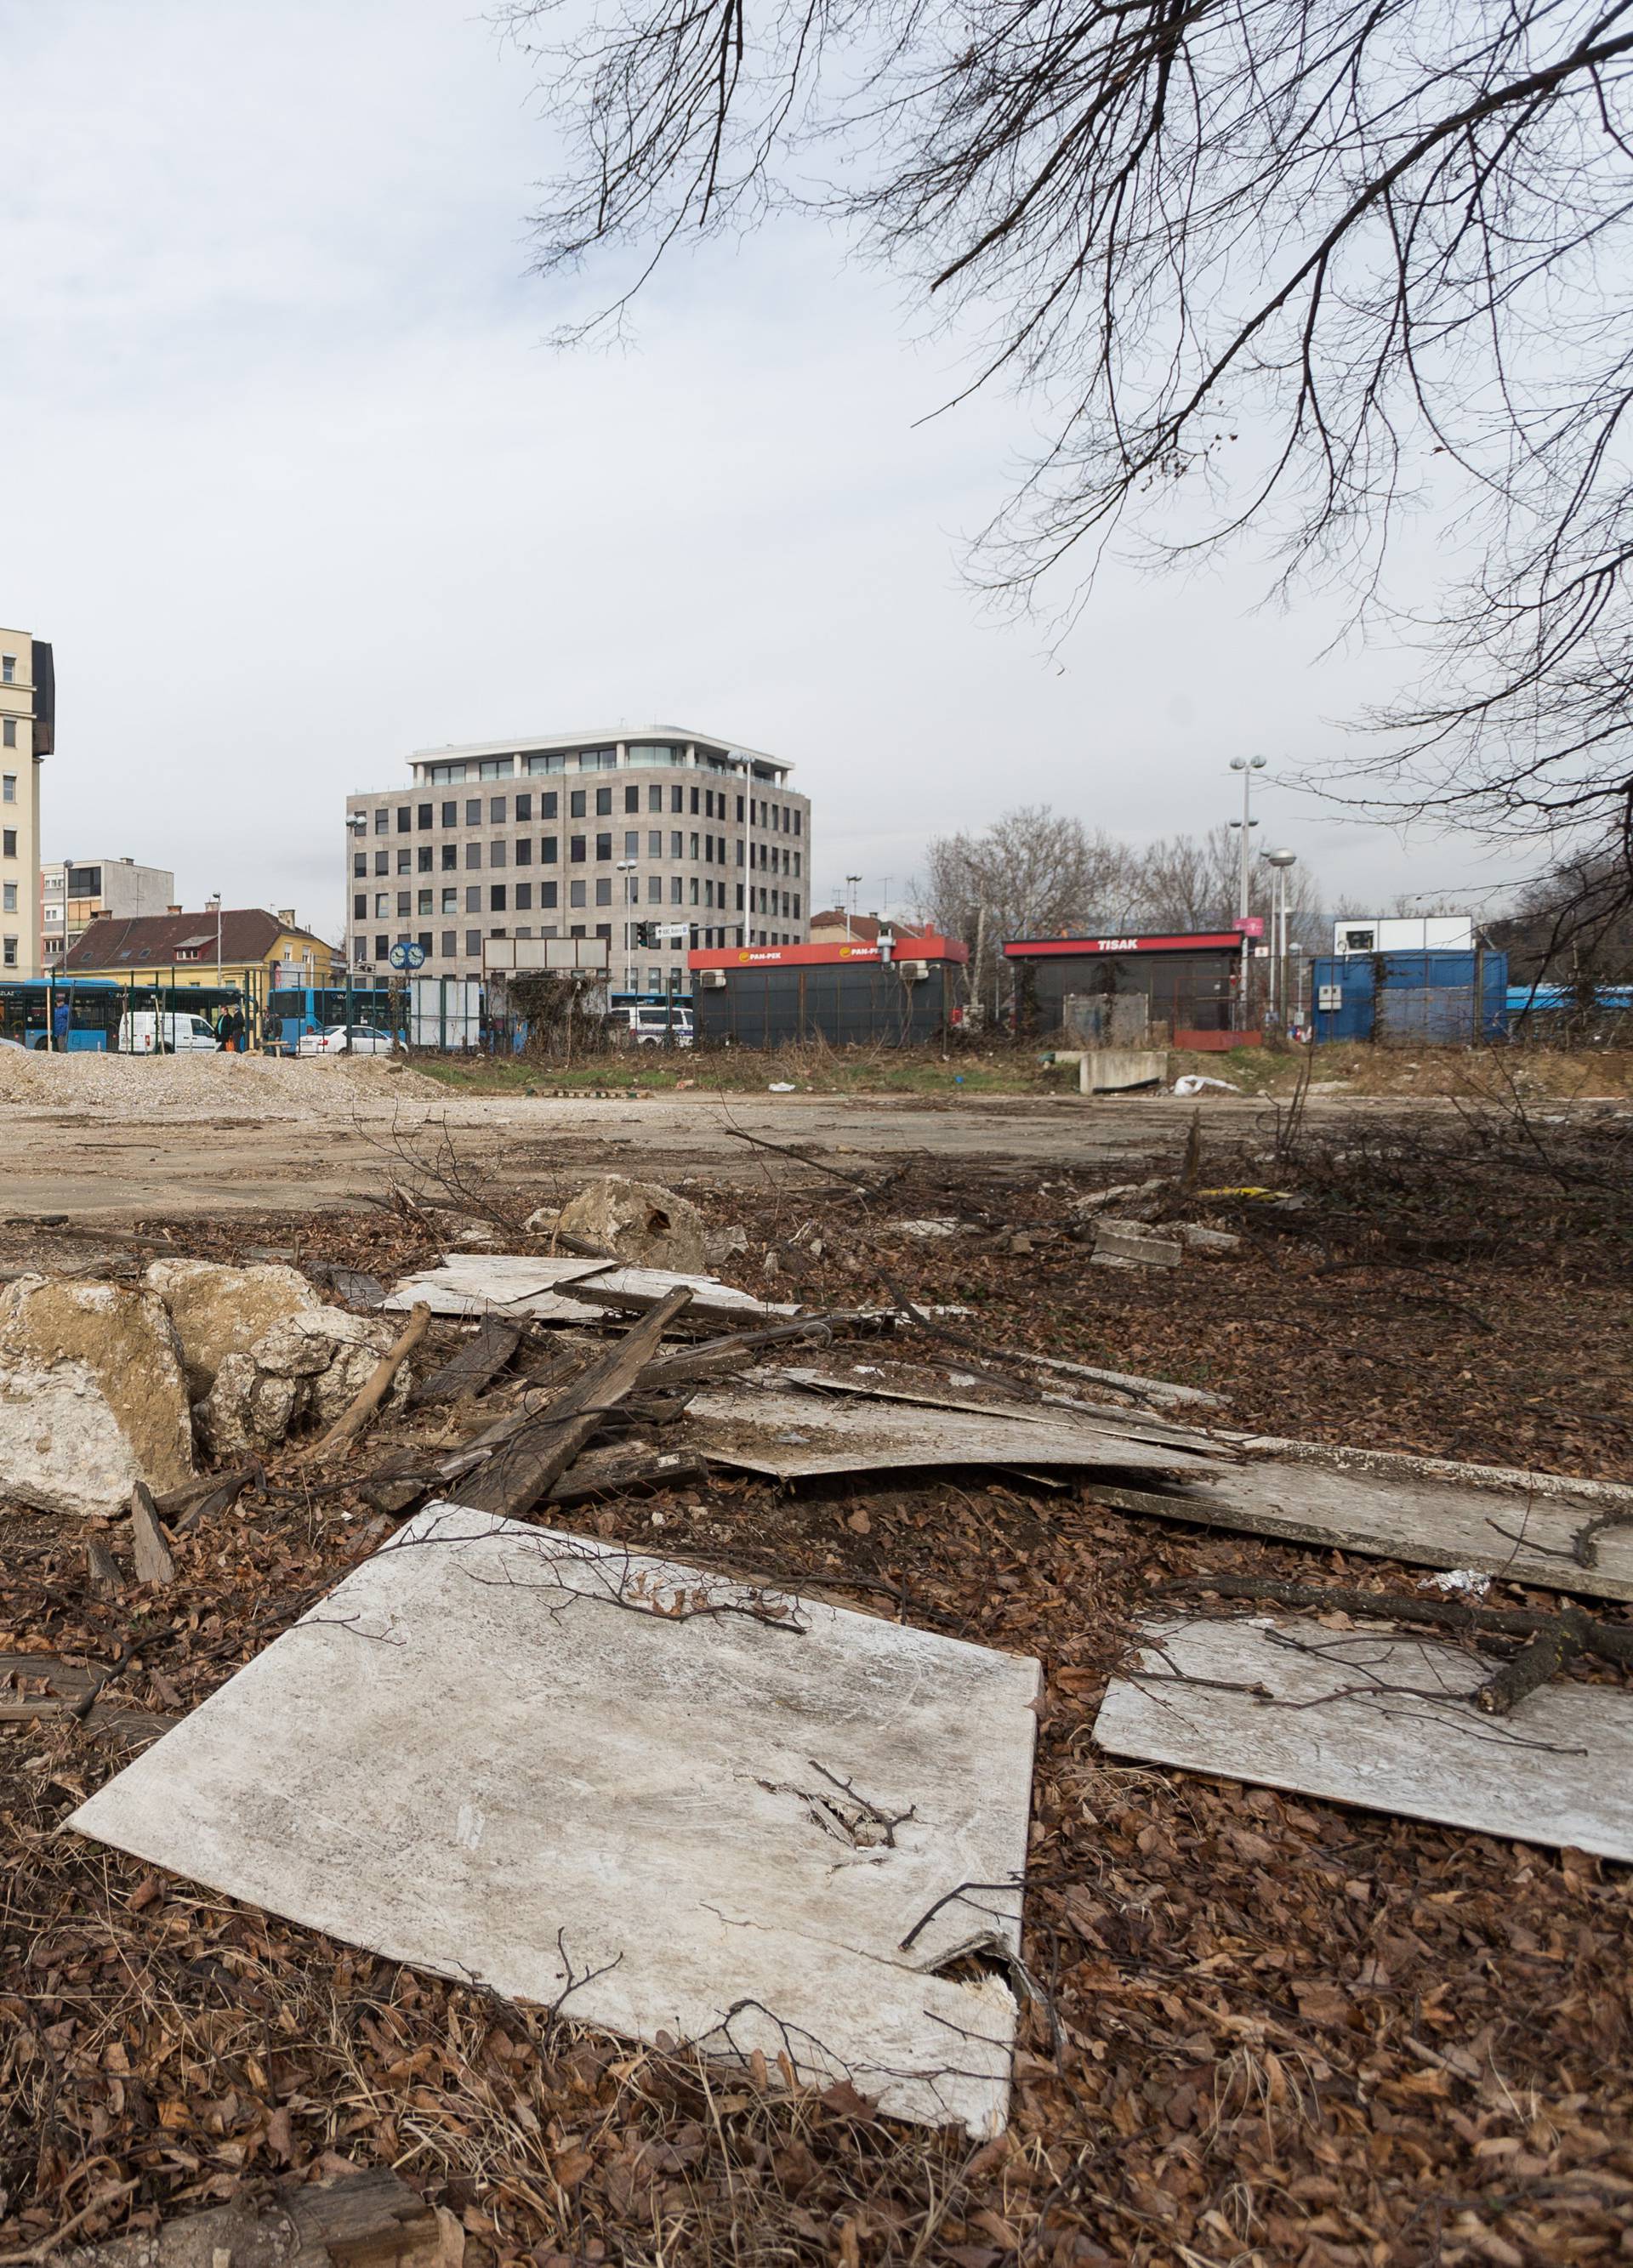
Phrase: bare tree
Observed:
(1034, 874)
(1287, 268)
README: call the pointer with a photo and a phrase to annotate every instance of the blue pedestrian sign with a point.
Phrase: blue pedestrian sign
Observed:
(407, 956)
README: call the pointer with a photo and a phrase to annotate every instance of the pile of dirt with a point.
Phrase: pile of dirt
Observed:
(138, 1090)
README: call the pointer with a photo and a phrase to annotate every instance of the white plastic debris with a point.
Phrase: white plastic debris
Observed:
(1193, 1083)
(781, 1087)
(1466, 1581)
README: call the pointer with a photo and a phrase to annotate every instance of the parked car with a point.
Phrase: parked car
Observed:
(650, 1024)
(148, 1032)
(339, 1040)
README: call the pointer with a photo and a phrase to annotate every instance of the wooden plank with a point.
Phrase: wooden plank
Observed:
(1153, 1389)
(522, 1469)
(1525, 1534)
(627, 1472)
(480, 1359)
(643, 1287)
(1383, 1718)
(496, 1283)
(154, 1560)
(875, 1382)
(798, 1435)
(369, 2220)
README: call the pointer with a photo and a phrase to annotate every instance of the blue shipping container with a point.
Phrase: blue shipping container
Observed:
(1411, 999)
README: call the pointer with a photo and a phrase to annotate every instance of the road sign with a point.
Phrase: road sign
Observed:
(1249, 924)
(672, 929)
(407, 956)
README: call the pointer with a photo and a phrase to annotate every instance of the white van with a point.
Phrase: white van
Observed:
(651, 1025)
(176, 1032)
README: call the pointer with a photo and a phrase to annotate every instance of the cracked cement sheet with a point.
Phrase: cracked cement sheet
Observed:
(798, 1435)
(651, 1796)
(543, 1291)
(1379, 1718)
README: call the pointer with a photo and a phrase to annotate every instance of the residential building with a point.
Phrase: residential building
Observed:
(28, 734)
(73, 891)
(587, 834)
(245, 947)
(837, 926)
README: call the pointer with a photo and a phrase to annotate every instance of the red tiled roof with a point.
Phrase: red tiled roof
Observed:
(151, 940)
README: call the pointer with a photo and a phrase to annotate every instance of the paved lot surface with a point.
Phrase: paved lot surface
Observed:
(225, 1143)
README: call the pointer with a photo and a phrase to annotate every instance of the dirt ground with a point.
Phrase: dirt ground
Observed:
(1269, 2029)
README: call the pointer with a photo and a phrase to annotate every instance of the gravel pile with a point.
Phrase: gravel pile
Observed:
(132, 1089)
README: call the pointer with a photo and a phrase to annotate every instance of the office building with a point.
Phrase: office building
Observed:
(74, 891)
(586, 833)
(28, 734)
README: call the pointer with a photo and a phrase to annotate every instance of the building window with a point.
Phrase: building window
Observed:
(405, 862)
(655, 797)
(604, 803)
(473, 811)
(422, 813)
(547, 850)
(450, 944)
(677, 887)
(450, 904)
(798, 817)
(739, 811)
(359, 904)
(8, 904)
(796, 905)
(497, 853)
(382, 904)
(603, 891)
(497, 806)
(8, 788)
(405, 904)
(496, 898)
(603, 846)
(383, 862)
(450, 857)
(632, 798)
(524, 810)
(694, 890)
(424, 861)
(360, 864)
(654, 842)
(406, 818)
(8, 669)
(797, 866)
(576, 802)
(524, 850)
(693, 853)
(676, 852)
(524, 897)
(738, 861)
(549, 804)
(677, 796)
(382, 821)
(450, 814)
(382, 948)
(445, 775)
(422, 902)
(575, 894)
(740, 897)
(575, 849)
(496, 767)
(654, 889)
(473, 854)
(473, 897)
(549, 896)
(632, 842)
(548, 763)
(473, 943)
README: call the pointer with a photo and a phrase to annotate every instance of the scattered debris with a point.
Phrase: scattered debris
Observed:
(154, 1561)
(680, 1811)
(92, 1395)
(218, 1311)
(371, 2216)
(309, 1368)
(1383, 1718)
(638, 1220)
(1196, 1083)
(1131, 1244)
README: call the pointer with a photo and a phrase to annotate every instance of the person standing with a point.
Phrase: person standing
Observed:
(61, 1016)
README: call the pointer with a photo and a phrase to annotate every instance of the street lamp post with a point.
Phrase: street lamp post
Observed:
(1247, 766)
(850, 882)
(215, 903)
(1280, 861)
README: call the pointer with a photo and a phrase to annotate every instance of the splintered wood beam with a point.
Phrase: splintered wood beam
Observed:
(479, 1361)
(154, 1561)
(368, 2219)
(522, 1469)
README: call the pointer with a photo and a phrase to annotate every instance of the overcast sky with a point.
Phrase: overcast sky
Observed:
(296, 484)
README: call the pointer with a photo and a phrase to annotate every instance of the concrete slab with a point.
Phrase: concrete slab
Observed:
(1114, 1071)
(644, 1795)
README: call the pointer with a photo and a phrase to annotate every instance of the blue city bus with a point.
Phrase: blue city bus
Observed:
(29, 1008)
(292, 1010)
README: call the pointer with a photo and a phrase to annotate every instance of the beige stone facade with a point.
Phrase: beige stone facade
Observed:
(24, 740)
(579, 835)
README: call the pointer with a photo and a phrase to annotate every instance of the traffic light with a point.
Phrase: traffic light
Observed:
(646, 935)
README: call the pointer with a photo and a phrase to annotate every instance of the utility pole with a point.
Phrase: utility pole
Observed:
(1247, 766)
(1279, 861)
(850, 882)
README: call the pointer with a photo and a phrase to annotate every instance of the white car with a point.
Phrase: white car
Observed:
(364, 1039)
(148, 1032)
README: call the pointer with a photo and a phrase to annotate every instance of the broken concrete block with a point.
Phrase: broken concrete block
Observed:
(1133, 1241)
(639, 1220)
(218, 1311)
(92, 1395)
(1198, 1238)
(722, 1244)
(312, 1365)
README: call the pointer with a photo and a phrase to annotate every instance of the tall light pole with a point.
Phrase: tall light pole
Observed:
(215, 903)
(1279, 860)
(851, 883)
(1247, 766)
(632, 902)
